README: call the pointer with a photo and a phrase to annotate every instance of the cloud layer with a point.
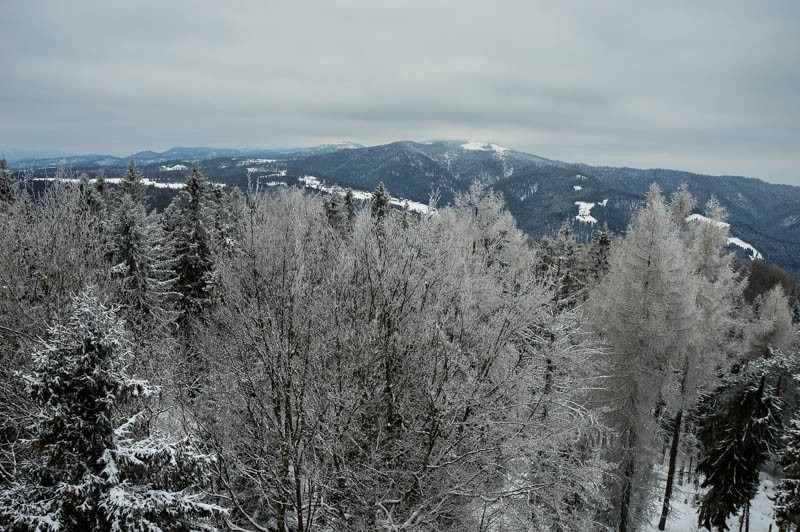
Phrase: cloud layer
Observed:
(703, 86)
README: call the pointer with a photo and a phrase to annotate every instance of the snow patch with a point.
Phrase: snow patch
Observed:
(579, 176)
(753, 252)
(173, 168)
(255, 161)
(732, 241)
(577, 187)
(701, 218)
(585, 212)
(118, 180)
(603, 203)
(413, 206)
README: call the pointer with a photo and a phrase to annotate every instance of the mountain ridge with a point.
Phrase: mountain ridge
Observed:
(541, 193)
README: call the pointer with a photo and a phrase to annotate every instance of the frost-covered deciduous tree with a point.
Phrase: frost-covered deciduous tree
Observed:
(89, 464)
(772, 326)
(646, 310)
(397, 379)
(717, 296)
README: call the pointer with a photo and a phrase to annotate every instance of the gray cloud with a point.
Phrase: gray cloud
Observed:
(702, 86)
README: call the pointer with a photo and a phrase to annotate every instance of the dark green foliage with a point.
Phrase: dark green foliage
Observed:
(738, 430)
(787, 491)
(350, 207)
(336, 212)
(89, 465)
(599, 253)
(190, 225)
(132, 185)
(6, 185)
(380, 202)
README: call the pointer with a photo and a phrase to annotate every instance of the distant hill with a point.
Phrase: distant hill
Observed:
(541, 193)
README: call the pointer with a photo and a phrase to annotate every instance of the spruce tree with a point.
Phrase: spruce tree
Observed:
(599, 253)
(135, 244)
(335, 211)
(6, 185)
(738, 431)
(132, 184)
(90, 464)
(189, 224)
(350, 208)
(380, 202)
(787, 491)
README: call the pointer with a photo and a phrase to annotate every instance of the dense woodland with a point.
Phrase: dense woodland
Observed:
(273, 360)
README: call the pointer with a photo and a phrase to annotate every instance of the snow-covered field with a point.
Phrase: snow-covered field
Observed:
(413, 206)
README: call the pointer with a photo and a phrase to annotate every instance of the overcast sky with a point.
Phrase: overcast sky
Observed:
(711, 87)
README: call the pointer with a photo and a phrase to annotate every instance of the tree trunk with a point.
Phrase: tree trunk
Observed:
(673, 455)
(627, 487)
(747, 517)
(626, 497)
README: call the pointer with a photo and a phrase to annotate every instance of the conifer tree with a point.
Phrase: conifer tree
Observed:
(682, 204)
(6, 185)
(89, 464)
(599, 254)
(132, 184)
(787, 491)
(646, 308)
(136, 253)
(380, 202)
(335, 211)
(350, 208)
(190, 225)
(737, 433)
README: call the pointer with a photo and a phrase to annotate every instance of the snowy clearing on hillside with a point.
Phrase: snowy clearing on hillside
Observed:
(603, 203)
(585, 212)
(577, 187)
(732, 241)
(474, 145)
(173, 168)
(701, 218)
(413, 206)
(255, 161)
(753, 252)
(118, 180)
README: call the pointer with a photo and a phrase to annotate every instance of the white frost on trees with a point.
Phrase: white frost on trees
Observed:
(90, 465)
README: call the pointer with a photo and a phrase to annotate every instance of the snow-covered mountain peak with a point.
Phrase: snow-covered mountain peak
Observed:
(477, 145)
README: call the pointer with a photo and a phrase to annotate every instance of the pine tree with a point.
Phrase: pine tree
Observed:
(89, 465)
(787, 491)
(737, 433)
